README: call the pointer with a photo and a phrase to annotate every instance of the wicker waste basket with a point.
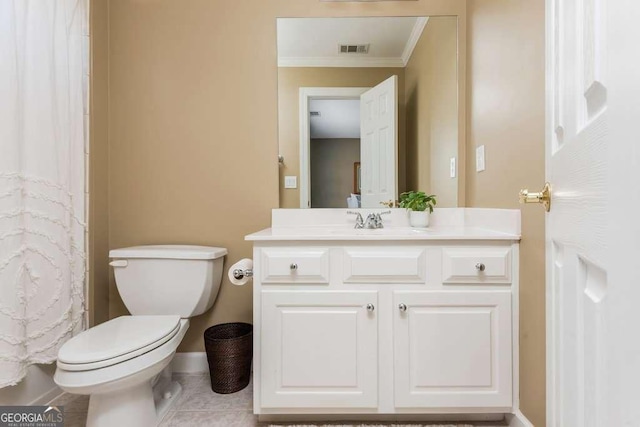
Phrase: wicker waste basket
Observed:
(229, 349)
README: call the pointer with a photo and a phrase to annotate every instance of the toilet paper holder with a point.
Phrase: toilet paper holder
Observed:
(240, 274)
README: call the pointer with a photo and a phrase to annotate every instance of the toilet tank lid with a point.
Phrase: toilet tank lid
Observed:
(169, 252)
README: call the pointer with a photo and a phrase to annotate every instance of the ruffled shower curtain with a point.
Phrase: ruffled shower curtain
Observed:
(43, 134)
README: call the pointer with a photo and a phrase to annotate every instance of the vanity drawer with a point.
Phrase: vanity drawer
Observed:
(384, 265)
(476, 265)
(295, 265)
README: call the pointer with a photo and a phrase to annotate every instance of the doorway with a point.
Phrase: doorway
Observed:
(329, 145)
(334, 152)
(376, 111)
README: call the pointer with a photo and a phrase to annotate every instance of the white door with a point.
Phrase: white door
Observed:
(319, 349)
(593, 284)
(379, 143)
(452, 349)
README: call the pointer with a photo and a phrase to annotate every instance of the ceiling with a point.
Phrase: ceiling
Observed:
(314, 42)
(339, 118)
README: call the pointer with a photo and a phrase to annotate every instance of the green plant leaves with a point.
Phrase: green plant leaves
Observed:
(417, 201)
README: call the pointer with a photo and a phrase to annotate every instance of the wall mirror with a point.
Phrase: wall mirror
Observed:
(368, 108)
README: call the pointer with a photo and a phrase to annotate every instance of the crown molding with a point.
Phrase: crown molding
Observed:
(353, 62)
(418, 28)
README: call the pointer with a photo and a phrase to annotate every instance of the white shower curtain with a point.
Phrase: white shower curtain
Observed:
(43, 130)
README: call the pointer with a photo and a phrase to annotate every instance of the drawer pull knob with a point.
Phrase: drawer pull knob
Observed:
(293, 266)
(402, 307)
(370, 307)
(480, 266)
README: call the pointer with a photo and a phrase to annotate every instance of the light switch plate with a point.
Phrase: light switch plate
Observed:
(452, 168)
(480, 165)
(290, 182)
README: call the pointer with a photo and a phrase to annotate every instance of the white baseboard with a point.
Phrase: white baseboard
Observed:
(518, 420)
(190, 363)
(48, 397)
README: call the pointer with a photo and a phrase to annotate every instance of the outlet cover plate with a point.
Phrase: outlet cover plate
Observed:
(290, 182)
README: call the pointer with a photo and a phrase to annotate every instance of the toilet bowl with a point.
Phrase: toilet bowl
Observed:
(123, 364)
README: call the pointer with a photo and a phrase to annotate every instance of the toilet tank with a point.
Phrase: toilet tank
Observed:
(168, 279)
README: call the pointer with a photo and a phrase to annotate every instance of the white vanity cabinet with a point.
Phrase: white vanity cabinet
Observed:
(452, 349)
(320, 349)
(385, 325)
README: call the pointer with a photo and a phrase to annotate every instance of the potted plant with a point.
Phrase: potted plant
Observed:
(420, 205)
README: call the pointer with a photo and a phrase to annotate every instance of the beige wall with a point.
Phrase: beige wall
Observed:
(193, 121)
(431, 94)
(506, 115)
(332, 171)
(290, 80)
(193, 124)
(193, 152)
(98, 303)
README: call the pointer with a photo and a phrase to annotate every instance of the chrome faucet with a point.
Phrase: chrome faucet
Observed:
(359, 220)
(372, 222)
(377, 219)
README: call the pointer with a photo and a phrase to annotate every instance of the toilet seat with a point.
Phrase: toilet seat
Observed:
(116, 341)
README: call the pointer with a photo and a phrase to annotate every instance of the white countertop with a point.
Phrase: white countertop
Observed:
(337, 225)
(398, 233)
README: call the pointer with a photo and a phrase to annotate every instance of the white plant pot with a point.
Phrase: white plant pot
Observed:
(419, 219)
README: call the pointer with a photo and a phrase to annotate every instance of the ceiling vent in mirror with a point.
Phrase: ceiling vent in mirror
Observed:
(354, 48)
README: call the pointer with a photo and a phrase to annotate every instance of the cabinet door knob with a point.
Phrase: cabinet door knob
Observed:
(293, 266)
(402, 307)
(480, 266)
(370, 307)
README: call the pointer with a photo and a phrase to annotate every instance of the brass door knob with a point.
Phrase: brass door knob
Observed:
(543, 197)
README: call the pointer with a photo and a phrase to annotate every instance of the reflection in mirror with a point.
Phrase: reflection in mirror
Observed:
(368, 108)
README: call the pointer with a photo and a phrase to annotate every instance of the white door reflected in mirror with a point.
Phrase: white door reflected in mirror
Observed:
(379, 143)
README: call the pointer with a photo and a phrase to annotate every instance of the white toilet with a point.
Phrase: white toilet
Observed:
(124, 363)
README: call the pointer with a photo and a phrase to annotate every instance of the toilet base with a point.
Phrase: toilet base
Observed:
(166, 392)
(129, 407)
(133, 407)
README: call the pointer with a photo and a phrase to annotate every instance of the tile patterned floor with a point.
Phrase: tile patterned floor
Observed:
(198, 406)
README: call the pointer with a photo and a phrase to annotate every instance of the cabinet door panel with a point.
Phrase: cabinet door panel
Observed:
(453, 349)
(319, 349)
